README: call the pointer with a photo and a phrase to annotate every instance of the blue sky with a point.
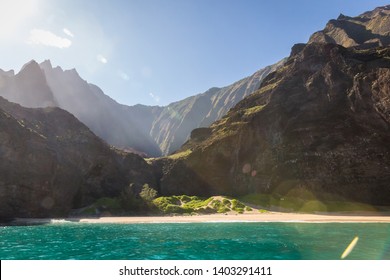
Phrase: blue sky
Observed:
(155, 52)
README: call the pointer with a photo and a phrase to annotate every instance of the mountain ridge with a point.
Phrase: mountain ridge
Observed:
(148, 130)
(370, 29)
(316, 129)
(52, 163)
(67, 90)
(174, 125)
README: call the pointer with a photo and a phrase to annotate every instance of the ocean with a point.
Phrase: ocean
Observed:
(194, 241)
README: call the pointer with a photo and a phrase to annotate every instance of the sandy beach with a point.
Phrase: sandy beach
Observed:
(231, 217)
(261, 217)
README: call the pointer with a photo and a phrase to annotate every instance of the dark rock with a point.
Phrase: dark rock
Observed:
(200, 134)
(296, 49)
(173, 126)
(320, 124)
(41, 85)
(145, 130)
(370, 29)
(52, 163)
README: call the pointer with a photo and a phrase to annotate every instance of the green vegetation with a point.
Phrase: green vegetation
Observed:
(194, 204)
(219, 206)
(170, 204)
(147, 193)
(180, 204)
(183, 154)
(146, 202)
(238, 206)
(221, 122)
(253, 110)
(226, 202)
(265, 88)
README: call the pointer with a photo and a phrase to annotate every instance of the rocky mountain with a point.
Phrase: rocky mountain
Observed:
(51, 163)
(148, 130)
(320, 125)
(370, 29)
(174, 124)
(28, 87)
(41, 85)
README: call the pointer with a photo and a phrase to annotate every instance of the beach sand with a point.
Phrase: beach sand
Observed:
(247, 217)
(230, 217)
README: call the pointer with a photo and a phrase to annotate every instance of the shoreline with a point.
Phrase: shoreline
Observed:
(218, 218)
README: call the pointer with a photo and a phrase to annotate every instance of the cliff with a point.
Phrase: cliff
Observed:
(320, 124)
(370, 29)
(173, 125)
(51, 163)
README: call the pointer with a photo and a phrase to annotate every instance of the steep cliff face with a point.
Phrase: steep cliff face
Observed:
(147, 130)
(51, 163)
(175, 123)
(321, 124)
(41, 85)
(28, 88)
(370, 29)
(109, 120)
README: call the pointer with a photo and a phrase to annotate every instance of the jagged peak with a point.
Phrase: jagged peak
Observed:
(32, 64)
(365, 30)
(46, 64)
(73, 72)
(31, 70)
(343, 17)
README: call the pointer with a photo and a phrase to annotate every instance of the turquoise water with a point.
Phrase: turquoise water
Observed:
(195, 241)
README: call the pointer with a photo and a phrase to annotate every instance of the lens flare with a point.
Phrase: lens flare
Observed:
(350, 247)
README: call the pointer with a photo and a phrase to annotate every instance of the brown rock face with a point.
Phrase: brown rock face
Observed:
(321, 123)
(51, 163)
(370, 29)
(176, 121)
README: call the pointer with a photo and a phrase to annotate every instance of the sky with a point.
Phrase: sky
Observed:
(155, 52)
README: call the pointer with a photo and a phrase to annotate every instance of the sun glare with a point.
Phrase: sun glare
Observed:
(13, 14)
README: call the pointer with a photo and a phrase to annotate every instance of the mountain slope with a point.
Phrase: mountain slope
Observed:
(320, 125)
(51, 163)
(28, 88)
(150, 130)
(370, 29)
(42, 85)
(176, 121)
(104, 116)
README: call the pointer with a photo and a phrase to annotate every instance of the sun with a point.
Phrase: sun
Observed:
(15, 13)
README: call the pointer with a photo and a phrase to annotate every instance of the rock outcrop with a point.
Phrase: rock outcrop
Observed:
(320, 124)
(370, 29)
(51, 163)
